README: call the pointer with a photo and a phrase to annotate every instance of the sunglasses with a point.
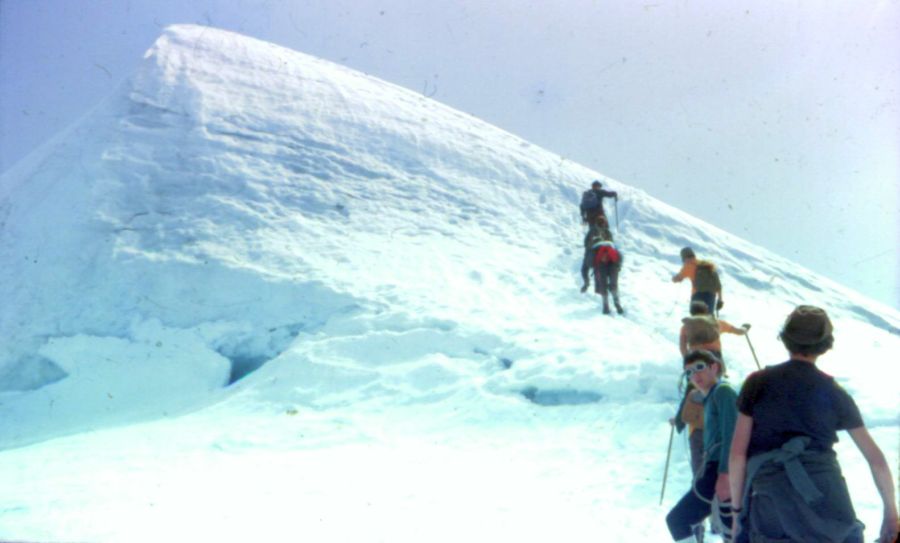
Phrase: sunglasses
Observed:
(698, 367)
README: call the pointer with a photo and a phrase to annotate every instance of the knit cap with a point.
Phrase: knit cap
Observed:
(807, 325)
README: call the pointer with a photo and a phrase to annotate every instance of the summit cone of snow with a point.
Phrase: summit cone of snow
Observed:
(276, 257)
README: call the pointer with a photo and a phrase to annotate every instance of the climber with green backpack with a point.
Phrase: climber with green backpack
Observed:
(705, 284)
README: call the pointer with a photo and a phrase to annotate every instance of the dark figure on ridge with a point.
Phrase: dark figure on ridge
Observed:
(592, 202)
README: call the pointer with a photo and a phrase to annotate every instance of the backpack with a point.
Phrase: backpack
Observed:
(691, 412)
(606, 252)
(589, 200)
(774, 502)
(706, 278)
(596, 235)
(700, 329)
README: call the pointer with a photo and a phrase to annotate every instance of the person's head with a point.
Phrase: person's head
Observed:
(687, 253)
(699, 307)
(703, 368)
(596, 185)
(807, 331)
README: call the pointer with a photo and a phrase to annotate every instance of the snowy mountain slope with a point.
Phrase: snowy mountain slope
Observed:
(381, 273)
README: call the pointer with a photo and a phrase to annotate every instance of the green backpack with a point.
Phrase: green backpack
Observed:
(707, 278)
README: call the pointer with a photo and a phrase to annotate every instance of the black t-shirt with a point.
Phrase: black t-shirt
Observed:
(795, 399)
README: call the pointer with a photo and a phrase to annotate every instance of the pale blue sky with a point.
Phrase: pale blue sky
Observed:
(776, 121)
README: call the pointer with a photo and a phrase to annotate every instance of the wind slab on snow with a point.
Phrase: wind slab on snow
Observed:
(268, 298)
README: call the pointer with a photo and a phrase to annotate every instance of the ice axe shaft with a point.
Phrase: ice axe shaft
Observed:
(750, 344)
(662, 493)
(616, 200)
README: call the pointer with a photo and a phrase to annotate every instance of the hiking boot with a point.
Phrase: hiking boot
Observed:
(605, 308)
(619, 309)
(584, 288)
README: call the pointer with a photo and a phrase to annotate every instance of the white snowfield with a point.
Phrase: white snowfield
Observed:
(256, 296)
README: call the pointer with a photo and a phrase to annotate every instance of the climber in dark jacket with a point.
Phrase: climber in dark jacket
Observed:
(785, 478)
(592, 202)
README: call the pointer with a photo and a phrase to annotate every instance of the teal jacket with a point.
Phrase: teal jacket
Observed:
(719, 418)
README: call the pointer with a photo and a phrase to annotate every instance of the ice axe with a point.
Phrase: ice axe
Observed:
(662, 493)
(616, 201)
(746, 327)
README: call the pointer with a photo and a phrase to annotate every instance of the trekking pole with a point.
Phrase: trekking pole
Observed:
(662, 493)
(746, 328)
(616, 201)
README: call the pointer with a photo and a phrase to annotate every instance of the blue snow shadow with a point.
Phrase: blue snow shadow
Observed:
(875, 320)
(556, 397)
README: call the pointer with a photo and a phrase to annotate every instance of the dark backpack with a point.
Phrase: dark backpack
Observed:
(589, 200)
(774, 498)
(707, 278)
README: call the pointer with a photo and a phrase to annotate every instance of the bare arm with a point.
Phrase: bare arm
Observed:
(881, 473)
(737, 460)
(682, 341)
(727, 327)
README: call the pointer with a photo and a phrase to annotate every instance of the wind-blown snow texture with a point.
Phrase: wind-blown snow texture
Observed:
(347, 312)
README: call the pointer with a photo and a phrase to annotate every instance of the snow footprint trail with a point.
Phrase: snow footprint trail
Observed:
(382, 360)
(580, 357)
